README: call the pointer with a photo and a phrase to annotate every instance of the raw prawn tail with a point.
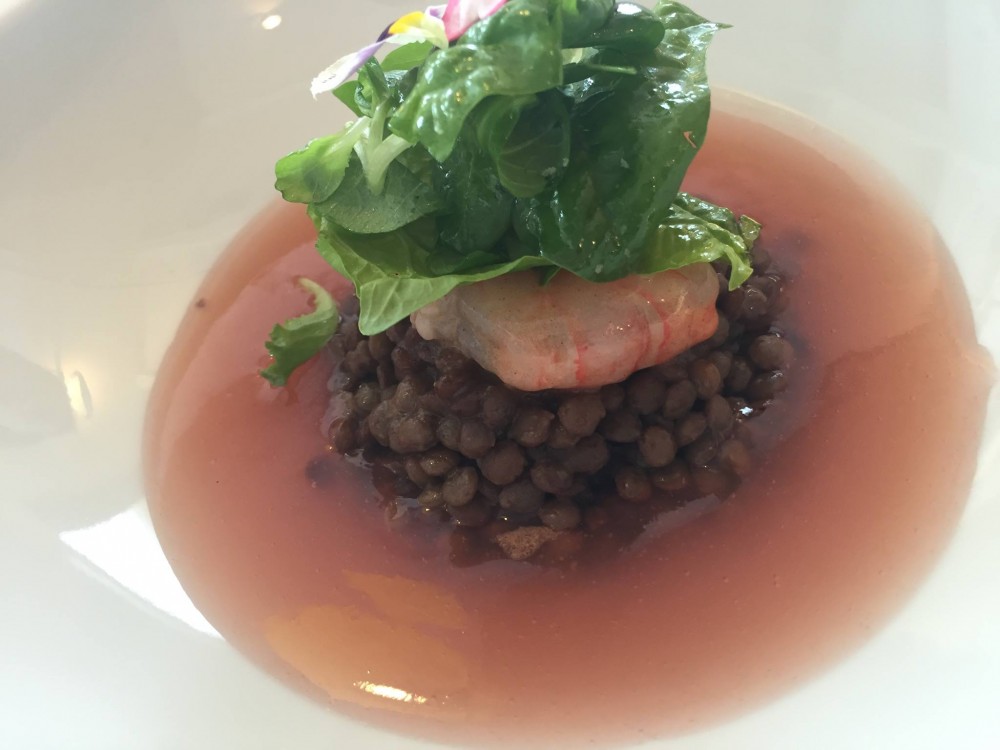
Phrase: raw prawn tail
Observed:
(574, 333)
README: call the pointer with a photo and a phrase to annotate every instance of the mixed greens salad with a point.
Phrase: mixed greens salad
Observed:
(504, 136)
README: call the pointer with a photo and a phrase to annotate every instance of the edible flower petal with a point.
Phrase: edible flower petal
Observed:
(460, 15)
(413, 27)
(417, 27)
(343, 69)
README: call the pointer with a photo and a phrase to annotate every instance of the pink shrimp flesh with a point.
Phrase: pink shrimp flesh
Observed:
(574, 333)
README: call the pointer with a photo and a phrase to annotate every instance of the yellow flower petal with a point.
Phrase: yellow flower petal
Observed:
(407, 22)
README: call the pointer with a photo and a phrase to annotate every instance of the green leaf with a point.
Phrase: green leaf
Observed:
(374, 87)
(380, 87)
(750, 231)
(696, 231)
(408, 56)
(634, 138)
(506, 152)
(403, 200)
(514, 52)
(581, 18)
(529, 141)
(632, 28)
(347, 92)
(547, 273)
(312, 174)
(478, 207)
(496, 118)
(393, 274)
(301, 338)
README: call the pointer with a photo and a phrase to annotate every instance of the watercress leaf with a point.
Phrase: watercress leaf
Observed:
(362, 106)
(298, 340)
(581, 18)
(347, 93)
(634, 137)
(528, 138)
(478, 207)
(373, 85)
(495, 119)
(408, 56)
(359, 99)
(420, 163)
(377, 150)
(578, 72)
(750, 231)
(537, 149)
(403, 200)
(392, 272)
(515, 51)
(313, 173)
(378, 155)
(697, 231)
(378, 87)
(631, 28)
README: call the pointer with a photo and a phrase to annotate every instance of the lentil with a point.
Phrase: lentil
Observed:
(438, 462)
(770, 352)
(622, 426)
(633, 484)
(552, 478)
(657, 446)
(690, 428)
(679, 399)
(503, 464)
(531, 427)
(523, 497)
(475, 439)
(460, 486)
(560, 515)
(447, 440)
(581, 414)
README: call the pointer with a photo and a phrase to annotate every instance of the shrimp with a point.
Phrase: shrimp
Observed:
(573, 333)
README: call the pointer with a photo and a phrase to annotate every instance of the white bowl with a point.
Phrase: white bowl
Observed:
(137, 138)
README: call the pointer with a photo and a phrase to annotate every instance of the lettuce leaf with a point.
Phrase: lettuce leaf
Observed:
(696, 231)
(393, 273)
(403, 199)
(301, 338)
(313, 174)
(397, 273)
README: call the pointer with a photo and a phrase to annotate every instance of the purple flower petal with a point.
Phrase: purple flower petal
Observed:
(343, 69)
(461, 14)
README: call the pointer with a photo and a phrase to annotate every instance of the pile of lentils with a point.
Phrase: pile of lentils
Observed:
(460, 446)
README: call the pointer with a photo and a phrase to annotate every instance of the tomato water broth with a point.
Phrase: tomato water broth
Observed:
(864, 467)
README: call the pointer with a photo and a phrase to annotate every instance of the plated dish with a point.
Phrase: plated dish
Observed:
(74, 517)
(554, 466)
